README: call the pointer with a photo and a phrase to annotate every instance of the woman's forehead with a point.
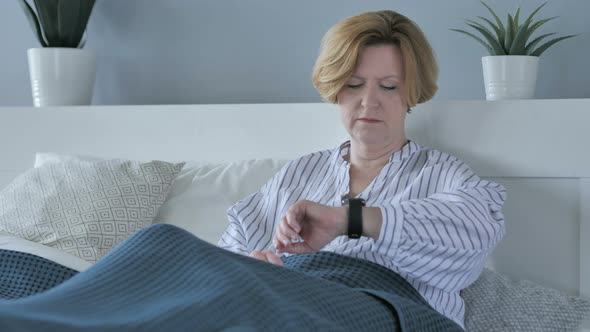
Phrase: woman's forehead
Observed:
(379, 61)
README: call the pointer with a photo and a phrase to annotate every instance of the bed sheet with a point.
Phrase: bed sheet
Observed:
(14, 243)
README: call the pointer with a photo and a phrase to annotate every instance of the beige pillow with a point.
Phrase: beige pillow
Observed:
(85, 208)
(202, 192)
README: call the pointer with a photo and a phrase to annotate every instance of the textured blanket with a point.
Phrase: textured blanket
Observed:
(165, 279)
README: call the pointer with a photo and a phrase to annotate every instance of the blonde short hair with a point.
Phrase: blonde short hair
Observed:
(342, 44)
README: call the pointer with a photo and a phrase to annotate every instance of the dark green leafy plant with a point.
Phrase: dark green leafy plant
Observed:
(513, 37)
(59, 23)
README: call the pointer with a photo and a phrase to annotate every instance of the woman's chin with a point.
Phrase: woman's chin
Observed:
(371, 140)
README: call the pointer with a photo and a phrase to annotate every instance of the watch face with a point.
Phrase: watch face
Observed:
(346, 201)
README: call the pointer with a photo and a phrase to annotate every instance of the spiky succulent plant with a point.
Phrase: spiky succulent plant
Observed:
(59, 23)
(513, 37)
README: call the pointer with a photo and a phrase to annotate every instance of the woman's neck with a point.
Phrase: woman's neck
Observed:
(362, 156)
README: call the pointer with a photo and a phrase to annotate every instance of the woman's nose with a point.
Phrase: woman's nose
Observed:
(370, 97)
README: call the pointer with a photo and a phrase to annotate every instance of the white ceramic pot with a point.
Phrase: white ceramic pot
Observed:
(61, 76)
(510, 76)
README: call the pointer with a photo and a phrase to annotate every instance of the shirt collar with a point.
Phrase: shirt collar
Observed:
(407, 150)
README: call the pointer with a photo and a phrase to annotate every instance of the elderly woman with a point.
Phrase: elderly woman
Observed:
(380, 197)
(378, 234)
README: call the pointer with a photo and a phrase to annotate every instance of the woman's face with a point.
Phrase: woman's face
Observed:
(371, 104)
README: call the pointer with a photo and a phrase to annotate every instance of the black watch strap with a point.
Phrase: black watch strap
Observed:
(355, 216)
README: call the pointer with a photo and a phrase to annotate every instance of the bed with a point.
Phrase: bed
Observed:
(537, 149)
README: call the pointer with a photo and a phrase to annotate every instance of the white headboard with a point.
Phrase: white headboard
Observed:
(536, 148)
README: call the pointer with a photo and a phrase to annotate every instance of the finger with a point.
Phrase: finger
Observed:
(279, 248)
(258, 255)
(282, 235)
(282, 238)
(293, 219)
(297, 248)
(287, 230)
(276, 241)
(271, 257)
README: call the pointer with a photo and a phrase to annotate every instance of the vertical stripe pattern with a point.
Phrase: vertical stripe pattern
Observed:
(440, 221)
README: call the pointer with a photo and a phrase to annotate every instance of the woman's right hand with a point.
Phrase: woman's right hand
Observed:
(266, 256)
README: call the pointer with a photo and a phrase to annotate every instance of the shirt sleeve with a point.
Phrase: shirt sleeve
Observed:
(234, 238)
(443, 239)
(252, 219)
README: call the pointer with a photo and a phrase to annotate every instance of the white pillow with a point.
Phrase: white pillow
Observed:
(82, 207)
(43, 158)
(202, 191)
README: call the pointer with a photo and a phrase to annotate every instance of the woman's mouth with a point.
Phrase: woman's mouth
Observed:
(368, 120)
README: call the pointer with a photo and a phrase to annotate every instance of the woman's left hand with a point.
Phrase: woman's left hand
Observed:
(308, 226)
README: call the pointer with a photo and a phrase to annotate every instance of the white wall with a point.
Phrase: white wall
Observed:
(262, 51)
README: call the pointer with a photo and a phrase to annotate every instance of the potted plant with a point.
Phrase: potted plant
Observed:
(61, 72)
(510, 72)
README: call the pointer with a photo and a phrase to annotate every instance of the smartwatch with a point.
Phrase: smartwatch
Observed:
(355, 216)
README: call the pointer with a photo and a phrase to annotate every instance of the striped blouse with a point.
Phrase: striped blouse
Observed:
(440, 220)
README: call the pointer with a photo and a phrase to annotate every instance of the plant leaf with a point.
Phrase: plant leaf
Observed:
(530, 46)
(513, 38)
(520, 39)
(490, 39)
(498, 21)
(509, 33)
(548, 44)
(492, 24)
(473, 23)
(64, 21)
(538, 24)
(85, 17)
(47, 11)
(481, 41)
(33, 21)
(82, 42)
(530, 18)
(73, 16)
(516, 16)
(67, 22)
(523, 33)
(499, 33)
(527, 30)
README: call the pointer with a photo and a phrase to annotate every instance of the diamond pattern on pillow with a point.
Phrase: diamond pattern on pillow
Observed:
(85, 208)
(496, 303)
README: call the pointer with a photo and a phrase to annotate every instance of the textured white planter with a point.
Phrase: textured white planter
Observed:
(510, 76)
(61, 76)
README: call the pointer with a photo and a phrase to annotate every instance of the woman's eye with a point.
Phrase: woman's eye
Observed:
(354, 86)
(386, 87)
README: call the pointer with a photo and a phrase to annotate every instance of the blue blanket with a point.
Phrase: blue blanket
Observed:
(165, 279)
